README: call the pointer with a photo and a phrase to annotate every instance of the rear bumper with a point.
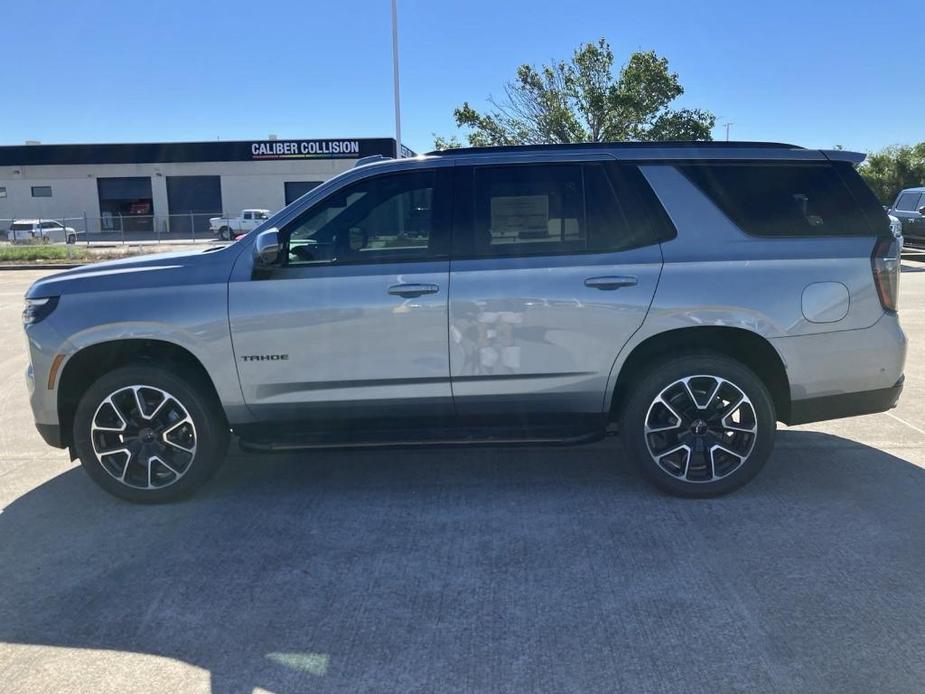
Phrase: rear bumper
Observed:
(844, 405)
(843, 373)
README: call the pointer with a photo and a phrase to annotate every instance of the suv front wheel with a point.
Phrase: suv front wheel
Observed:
(145, 434)
(699, 425)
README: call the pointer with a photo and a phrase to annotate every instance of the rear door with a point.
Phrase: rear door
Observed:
(554, 267)
(354, 324)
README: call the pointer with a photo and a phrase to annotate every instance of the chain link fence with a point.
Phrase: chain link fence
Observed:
(192, 227)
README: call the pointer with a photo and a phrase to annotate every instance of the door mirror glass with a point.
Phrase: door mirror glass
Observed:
(266, 249)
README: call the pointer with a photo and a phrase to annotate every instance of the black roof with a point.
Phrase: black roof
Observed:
(668, 144)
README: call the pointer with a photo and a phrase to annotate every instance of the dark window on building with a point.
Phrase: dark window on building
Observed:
(2, 192)
(379, 219)
(782, 199)
(126, 203)
(191, 201)
(296, 189)
(41, 191)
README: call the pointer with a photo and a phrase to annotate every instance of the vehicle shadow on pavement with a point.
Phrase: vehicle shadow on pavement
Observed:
(489, 569)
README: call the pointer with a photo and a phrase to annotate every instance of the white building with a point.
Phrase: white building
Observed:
(170, 186)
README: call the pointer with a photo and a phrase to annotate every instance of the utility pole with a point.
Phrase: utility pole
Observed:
(728, 125)
(395, 78)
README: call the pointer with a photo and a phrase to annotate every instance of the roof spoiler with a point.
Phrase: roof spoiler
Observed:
(844, 155)
(371, 159)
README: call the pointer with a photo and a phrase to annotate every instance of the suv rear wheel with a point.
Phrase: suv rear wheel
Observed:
(699, 425)
(146, 434)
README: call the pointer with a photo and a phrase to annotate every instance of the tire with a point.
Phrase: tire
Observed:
(224, 234)
(182, 433)
(71, 239)
(682, 425)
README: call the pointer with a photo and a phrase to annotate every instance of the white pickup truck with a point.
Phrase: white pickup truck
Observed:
(227, 227)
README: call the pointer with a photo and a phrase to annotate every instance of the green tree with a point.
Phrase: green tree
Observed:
(583, 100)
(891, 169)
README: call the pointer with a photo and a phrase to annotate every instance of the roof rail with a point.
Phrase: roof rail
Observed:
(670, 144)
(372, 158)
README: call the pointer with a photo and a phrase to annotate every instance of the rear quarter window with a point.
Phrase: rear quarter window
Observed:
(805, 199)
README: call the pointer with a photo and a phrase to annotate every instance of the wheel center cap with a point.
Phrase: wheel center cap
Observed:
(147, 435)
(699, 427)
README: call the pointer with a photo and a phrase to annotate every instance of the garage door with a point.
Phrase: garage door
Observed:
(192, 200)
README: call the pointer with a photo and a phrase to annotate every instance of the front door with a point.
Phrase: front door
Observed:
(353, 325)
(554, 268)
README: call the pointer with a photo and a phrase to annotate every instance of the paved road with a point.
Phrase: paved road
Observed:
(487, 570)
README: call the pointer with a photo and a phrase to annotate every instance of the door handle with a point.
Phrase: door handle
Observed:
(412, 290)
(611, 283)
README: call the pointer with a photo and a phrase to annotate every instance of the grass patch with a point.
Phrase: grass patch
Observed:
(25, 254)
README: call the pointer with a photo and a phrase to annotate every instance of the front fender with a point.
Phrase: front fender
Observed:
(193, 317)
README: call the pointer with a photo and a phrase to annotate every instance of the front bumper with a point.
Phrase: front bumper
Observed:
(844, 405)
(51, 433)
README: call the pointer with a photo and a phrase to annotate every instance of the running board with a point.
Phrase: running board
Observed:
(296, 444)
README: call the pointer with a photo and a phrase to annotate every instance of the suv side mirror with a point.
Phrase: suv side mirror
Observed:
(267, 248)
(922, 210)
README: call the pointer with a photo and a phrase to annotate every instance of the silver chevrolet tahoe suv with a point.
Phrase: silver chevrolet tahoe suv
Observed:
(686, 296)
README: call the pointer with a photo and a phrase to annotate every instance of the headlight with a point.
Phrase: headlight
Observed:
(38, 309)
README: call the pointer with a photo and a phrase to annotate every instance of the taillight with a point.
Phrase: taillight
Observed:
(885, 263)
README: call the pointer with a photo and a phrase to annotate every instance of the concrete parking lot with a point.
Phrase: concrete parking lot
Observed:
(478, 570)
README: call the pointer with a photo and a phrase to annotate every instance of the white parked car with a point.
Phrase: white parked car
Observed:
(228, 227)
(42, 230)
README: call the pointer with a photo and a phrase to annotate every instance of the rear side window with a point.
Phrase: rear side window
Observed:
(529, 210)
(560, 209)
(19, 226)
(769, 199)
(645, 220)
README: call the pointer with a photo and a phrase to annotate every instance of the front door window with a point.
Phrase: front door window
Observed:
(380, 219)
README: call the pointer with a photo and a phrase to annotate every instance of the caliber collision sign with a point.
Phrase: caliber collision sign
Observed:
(236, 150)
(305, 149)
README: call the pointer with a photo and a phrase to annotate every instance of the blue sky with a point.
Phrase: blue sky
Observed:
(813, 73)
